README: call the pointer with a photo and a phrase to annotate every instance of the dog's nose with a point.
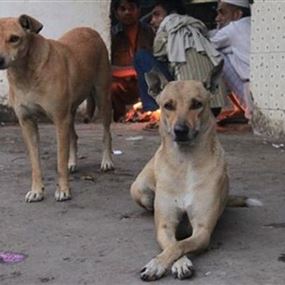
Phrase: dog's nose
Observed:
(181, 132)
(181, 129)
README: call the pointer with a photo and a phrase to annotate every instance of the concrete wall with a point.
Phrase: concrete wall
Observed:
(268, 67)
(58, 17)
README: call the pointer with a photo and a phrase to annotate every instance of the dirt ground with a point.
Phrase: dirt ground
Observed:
(102, 237)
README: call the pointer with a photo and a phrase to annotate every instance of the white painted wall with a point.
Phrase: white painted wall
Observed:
(268, 66)
(58, 17)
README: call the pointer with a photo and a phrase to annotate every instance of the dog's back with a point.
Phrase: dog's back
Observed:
(87, 46)
(88, 60)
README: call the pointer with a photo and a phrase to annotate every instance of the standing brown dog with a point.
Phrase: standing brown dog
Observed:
(187, 175)
(54, 77)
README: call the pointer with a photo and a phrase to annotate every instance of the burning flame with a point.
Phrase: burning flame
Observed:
(136, 114)
(137, 106)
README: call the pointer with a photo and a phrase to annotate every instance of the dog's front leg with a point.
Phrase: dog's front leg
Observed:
(31, 138)
(167, 218)
(175, 253)
(63, 145)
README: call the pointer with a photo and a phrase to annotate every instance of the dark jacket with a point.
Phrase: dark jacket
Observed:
(122, 53)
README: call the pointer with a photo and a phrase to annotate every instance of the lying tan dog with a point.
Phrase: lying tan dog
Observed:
(54, 77)
(187, 175)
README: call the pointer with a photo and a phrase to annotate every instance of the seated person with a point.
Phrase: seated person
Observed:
(128, 36)
(181, 42)
(232, 40)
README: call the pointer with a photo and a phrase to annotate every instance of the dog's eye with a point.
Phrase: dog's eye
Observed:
(196, 105)
(14, 39)
(169, 106)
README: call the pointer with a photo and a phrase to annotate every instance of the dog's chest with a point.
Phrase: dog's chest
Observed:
(180, 185)
(184, 201)
(26, 103)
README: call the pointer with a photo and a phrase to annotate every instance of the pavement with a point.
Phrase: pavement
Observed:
(102, 237)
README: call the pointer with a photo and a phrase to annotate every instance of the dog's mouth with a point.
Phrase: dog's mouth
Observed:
(3, 66)
(3, 63)
(180, 139)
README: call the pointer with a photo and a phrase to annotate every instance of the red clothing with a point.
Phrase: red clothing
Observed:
(124, 87)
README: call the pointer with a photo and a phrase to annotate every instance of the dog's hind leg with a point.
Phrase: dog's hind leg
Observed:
(142, 189)
(103, 100)
(63, 144)
(107, 162)
(31, 138)
(72, 161)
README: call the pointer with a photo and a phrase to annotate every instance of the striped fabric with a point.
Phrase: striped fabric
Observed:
(198, 67)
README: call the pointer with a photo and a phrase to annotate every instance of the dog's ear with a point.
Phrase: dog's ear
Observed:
(211, 82)
(155, 81)
(30, 24)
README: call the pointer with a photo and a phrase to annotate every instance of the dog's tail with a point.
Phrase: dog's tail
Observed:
(243, 201)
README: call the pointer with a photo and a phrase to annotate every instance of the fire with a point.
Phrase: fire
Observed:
(137, 106)
(156, 115)
(136, 114)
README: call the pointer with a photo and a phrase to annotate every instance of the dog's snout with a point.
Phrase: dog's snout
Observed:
(183, 133)
(181, 130)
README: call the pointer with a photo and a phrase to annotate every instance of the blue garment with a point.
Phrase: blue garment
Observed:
(234, 81)
(144, 61)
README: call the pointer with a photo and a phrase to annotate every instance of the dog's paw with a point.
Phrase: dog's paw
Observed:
(153, 270)
(182, 268)
(61, 196)
(33, 196)
(107, 165)
(72, 168)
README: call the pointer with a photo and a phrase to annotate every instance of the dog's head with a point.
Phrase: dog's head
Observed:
(15, 34)
(184, 105)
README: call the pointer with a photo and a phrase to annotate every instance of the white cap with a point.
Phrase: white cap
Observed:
(240, 3)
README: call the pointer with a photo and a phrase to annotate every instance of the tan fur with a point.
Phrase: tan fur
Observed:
(54, 77)
(187, 175)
